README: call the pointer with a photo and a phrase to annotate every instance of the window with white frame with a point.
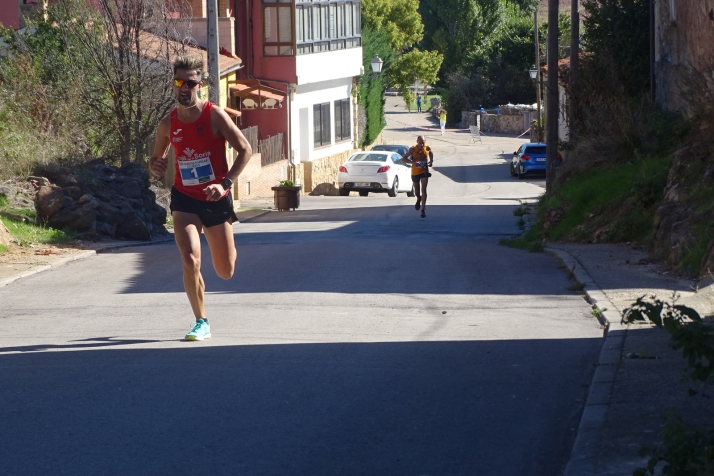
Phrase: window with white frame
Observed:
(321, 124)
(326, 25)
(278, 28)
(343, 120)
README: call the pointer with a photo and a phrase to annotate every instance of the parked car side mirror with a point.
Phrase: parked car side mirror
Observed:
(515, 153)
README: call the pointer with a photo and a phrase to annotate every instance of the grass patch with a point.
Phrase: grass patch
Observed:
(26, 233)
(626, 193)
(693, 258)
(3, 201)
(3, 249)
(532, 241)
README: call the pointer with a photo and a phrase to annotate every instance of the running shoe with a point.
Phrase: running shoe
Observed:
(201, 330)
(423, 214)
(417, 205)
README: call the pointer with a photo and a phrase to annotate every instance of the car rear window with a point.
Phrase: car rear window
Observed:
(368, 158)
(535, 149)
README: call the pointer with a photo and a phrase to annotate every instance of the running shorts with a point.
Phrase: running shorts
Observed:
(210, 213)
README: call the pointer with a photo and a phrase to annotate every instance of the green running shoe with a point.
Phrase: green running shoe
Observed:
(201, 330)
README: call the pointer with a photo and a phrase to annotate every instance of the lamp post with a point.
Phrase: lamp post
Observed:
(376, 64)
(535, 76)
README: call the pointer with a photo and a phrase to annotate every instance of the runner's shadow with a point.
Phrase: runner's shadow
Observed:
(92, 342)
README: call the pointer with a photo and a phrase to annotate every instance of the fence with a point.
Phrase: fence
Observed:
(271, 150)
(251, 133)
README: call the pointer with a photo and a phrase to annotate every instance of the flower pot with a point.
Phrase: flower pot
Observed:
(286, 197)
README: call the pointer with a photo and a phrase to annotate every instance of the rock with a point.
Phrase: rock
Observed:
(108, 201)
(73, 191)
(552, 217)
(7, 191)
(66, 181)
(53, 171)
(130, 189)
(74, 216)
(49, 200)
(133, 228)
(5, 235)
(38, 181)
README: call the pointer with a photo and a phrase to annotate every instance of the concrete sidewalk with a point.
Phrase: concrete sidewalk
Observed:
(638, 386)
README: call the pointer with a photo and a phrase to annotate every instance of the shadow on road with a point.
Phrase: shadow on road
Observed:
(346, 408)
(367, 250)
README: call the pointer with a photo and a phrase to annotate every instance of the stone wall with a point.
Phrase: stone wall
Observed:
(502, 123)
(684, 55)
(469, 118)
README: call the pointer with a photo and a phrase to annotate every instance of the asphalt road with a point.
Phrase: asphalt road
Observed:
(356, 338)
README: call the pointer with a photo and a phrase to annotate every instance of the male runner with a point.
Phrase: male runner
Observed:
(417, 156)
(200, 198)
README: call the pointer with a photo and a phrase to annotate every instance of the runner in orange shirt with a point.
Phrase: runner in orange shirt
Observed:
(417, 156)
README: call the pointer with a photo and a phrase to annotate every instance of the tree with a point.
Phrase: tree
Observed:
(456, 28)
(399, 19)
(410, 67)
(128, 46)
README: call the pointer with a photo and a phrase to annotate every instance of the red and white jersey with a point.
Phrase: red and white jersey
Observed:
(200, 155)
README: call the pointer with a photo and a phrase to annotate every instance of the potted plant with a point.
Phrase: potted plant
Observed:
(286, 195)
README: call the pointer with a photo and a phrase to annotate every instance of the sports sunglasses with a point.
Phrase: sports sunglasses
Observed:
(191, 84)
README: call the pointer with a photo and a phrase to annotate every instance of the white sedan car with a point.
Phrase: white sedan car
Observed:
(375, 171)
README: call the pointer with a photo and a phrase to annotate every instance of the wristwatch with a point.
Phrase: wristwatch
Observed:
(226, 183)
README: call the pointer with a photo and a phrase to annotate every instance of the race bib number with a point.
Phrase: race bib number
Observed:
(196, 172)
(421, 164)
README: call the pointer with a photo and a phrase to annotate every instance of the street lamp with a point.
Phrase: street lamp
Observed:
(376, 64)
(534, 73)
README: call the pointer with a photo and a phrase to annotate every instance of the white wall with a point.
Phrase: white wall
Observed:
(319, 67)
(305, 97)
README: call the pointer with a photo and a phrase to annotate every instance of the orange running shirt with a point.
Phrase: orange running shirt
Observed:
(200, 155)
(420, 157)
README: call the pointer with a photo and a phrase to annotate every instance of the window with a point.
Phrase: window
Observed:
(326, 25)
(277, 28)
(321, 123)
(343, 122)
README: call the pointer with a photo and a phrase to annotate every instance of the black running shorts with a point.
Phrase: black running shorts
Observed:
(210, 213)
(417, 178)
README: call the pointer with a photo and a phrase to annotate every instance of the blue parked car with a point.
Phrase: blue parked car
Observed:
(529, 159)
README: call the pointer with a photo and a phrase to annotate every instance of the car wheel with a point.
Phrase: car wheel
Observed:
(521, 175)
(411, 192)
(395, 188)
(363, 193)
(344, 192)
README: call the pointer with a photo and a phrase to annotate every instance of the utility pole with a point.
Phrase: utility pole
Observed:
(214, 80)
(539, 135)
(574, 58)
(552, 100)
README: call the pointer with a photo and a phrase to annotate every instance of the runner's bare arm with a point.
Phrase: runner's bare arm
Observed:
(158, 162)
(431, 158)
(408, 156)
(233, 135)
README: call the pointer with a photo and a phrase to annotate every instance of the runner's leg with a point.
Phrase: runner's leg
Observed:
(417, 192)
(424, 182)
(187, 232)
(223, 249)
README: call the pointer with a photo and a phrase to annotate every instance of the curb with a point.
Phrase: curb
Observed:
(584, 455)
(78, 256)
